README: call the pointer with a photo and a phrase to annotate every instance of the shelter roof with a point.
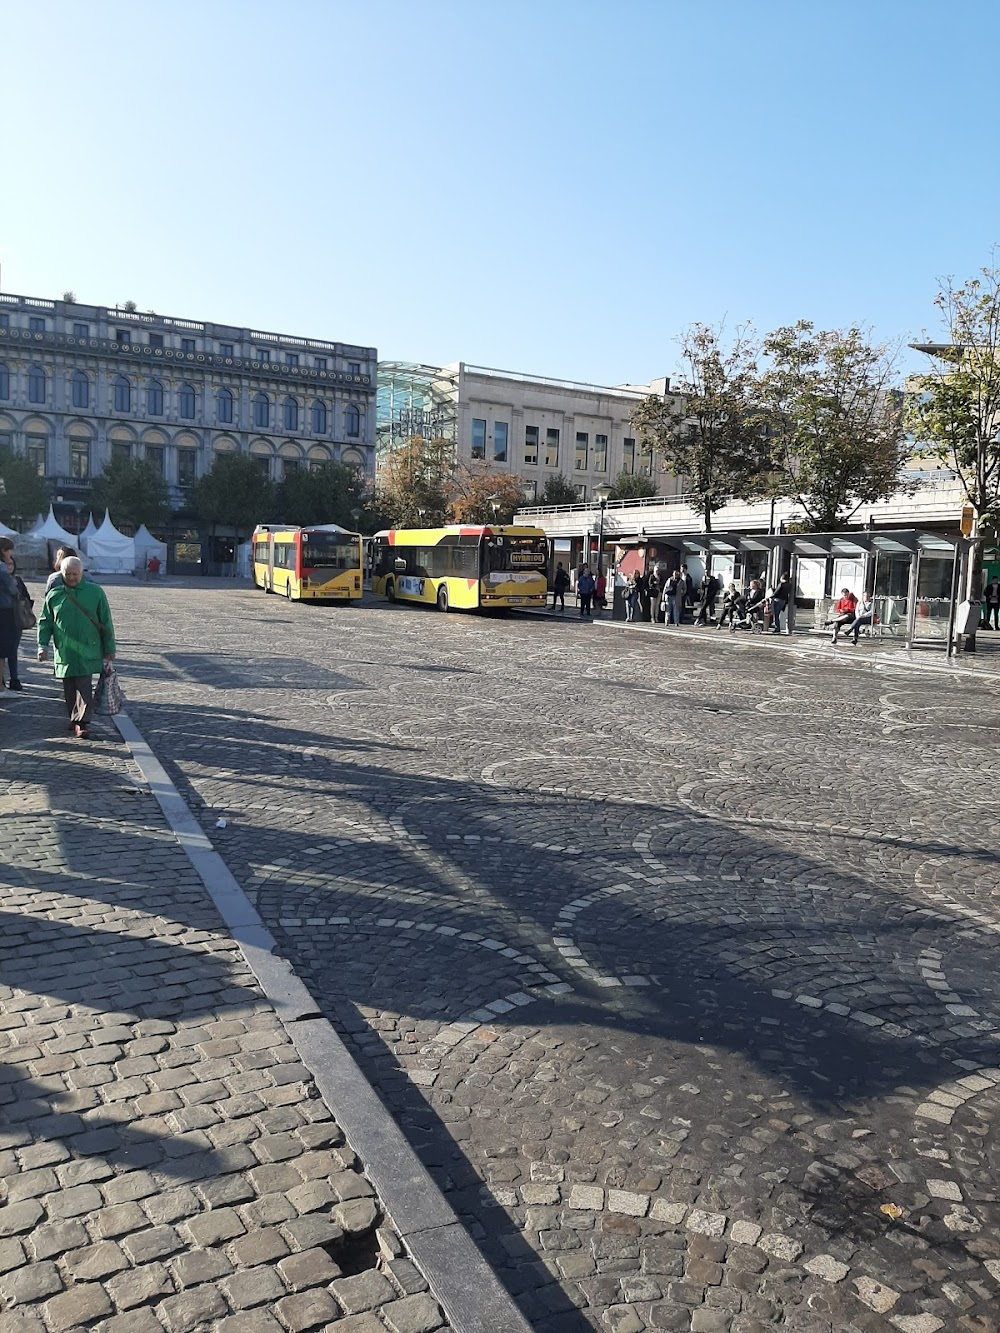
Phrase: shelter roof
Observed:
(899, 541)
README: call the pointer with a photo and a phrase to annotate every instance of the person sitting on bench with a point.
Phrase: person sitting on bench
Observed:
(843, 612)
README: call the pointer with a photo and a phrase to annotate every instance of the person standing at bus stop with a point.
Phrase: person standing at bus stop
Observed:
(585, 590)
(560, 582)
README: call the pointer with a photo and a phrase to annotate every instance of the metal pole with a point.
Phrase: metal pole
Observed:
(911, 598)
(793, 577)
(954, 596)
(600, 538)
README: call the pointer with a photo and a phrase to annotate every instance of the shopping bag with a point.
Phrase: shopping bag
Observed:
(109, 699)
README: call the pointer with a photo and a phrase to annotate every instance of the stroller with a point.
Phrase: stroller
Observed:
(750, 618)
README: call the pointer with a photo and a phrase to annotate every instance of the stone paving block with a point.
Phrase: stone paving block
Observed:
(191, 1309)
(81, 1304)
(413, 1314)
(306, 1310)
(309, 1268)
(366, 1291)
(252, 1286)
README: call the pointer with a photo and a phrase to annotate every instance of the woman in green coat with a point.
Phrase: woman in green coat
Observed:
(76, 620)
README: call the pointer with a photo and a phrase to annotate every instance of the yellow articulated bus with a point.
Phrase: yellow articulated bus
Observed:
(308, 564)
(467, 568)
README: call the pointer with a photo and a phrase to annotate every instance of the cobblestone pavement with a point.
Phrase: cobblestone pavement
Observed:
(166, 1163)
(674, 959)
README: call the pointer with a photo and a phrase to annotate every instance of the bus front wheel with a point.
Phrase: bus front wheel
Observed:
(442, 599)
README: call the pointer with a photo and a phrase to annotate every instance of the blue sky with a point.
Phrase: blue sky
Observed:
(557, 187)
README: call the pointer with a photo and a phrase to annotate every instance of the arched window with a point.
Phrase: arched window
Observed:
(4, 381)
(261, 410)
(291, 413)
(123, 394)
(319, 418)
(36, 384)
(154, 398)
(224, 400)
(80, 387)
(187, 401)
(352, 421)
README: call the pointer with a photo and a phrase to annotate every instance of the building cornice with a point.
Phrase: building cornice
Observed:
(168, 357)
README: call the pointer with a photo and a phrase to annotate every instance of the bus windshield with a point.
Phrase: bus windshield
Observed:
(513, 553)
(330, 550)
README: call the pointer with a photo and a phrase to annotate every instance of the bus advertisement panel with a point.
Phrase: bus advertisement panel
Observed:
(468, 568)
(321, 563)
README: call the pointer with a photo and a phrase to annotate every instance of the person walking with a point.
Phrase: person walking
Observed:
(706, 604)
(14, 680)
(585, 590)
(560, 582)
(991, 603)
(55, 578)
(9, 593)
(76, 620)
(779, 600)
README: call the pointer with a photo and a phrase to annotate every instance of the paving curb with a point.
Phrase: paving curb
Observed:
(467, 1288)
(804, 647)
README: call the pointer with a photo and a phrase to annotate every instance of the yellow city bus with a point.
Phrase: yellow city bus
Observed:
(308, 564)
(463, 567)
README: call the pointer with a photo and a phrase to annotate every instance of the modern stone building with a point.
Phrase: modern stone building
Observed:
(525, 424)
(81, 384)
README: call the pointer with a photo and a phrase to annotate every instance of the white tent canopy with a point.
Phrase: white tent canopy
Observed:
(7, 532)
(38, 524)
(53, 531)
(87, 533)
(146, 546)
(110, 551)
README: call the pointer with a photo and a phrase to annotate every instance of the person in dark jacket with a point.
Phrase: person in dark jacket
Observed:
(14, 681)
(585, 590)
(780, 598)
(9, 593)
(560, 582)
(706, 604)
(642, 589)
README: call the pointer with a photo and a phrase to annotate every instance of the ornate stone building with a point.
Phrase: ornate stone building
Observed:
(81, 384)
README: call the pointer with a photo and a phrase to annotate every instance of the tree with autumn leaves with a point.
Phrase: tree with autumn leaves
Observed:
(421, 485)
(811, 415)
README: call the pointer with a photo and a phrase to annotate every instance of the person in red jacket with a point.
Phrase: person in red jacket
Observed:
(600, 592)
(843, 612)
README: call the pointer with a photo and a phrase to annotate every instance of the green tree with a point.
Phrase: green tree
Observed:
(234, 492)
(333, 493)
(23, 493)
(132, 492)
(414, 482)
(955, 409)
(832, 418)
(632, 486)
(559, 490)
(709, 432)
(485, 496)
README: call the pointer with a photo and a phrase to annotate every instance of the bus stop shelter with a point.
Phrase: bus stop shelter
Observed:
(918, 571)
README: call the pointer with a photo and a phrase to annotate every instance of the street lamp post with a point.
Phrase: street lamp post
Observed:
(601, 494)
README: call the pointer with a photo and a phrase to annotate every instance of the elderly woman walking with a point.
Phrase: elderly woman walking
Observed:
(76, 620)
